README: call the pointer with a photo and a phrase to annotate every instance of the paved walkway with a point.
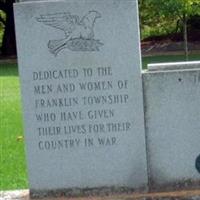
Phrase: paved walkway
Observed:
(181, 195)
(168, 48)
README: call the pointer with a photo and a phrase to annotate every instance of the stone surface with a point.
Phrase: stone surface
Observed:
(82, 95)
(174, 66)
(172, 115)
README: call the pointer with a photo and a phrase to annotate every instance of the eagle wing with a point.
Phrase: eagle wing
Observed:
(63, 21)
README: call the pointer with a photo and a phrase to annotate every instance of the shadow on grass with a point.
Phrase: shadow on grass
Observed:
(8, 70)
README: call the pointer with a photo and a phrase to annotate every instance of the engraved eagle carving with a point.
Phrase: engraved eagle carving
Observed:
(79, 33)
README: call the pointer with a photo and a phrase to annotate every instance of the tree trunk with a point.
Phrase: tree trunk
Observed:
(9, 42)
(185, 36)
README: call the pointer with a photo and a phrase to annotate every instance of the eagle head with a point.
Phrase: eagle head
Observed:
(95, 14)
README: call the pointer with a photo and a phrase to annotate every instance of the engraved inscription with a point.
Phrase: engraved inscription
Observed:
(79, 32)
(66, 120)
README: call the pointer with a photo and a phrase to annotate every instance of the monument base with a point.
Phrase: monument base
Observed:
(85, 192)
(180, 195)
(176, 185)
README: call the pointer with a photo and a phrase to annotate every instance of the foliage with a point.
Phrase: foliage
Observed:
(2, 25)
(152, 23)
(8, 47)
(164, 27)
(180, 10)
(160, 17)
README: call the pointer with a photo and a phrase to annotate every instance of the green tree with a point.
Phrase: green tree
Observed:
(2, 25)
(179, 9)
(9, 44)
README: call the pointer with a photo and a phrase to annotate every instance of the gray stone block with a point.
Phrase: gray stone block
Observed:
(172, 115)
(80, 71)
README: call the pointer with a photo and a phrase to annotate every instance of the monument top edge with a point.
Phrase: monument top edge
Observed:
(172, 66)
(44, 1)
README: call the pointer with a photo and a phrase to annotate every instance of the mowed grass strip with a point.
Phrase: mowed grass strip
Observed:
(12, 157)
(13, 171)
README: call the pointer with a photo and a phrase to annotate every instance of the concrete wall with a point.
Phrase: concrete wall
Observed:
(172, 115)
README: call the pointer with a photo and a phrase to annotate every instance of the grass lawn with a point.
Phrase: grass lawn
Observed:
(13, 172)
(12, 158)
